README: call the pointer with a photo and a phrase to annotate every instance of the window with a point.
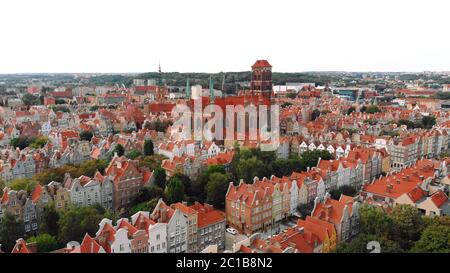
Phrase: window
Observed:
(158, 237)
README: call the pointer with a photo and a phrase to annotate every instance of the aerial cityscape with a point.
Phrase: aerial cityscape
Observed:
(96, 163)
(238, 131)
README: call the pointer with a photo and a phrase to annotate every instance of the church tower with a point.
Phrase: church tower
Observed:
(262, 77)
(161, 90)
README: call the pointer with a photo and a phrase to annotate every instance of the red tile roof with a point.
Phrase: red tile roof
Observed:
(207, 215)
(439, 198)
(89, 245)
(261, 63)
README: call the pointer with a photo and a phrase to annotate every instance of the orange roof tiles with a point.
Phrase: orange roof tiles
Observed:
(439, 198)
(261, 63)
(89, 245)
(397, 184)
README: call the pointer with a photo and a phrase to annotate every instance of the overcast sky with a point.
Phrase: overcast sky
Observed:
(214, 35)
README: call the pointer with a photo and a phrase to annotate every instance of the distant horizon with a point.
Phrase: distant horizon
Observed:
(242, 71)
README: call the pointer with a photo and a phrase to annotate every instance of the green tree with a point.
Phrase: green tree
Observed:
(49, 220)
(75, 222)
(428, 122)
(152, 161)
(39, 142)
(315, 114)
(350, 110)
(89, 168)
(359, 245)
(29, 99)
(291, 95)
(133, 154)
(160, 176)
(148, 147)
(45, 242)
(286, 104)
(186, 182)
(409, 124)
(374, 221)
(119, 149)
(2, 186)
(407, 224)
(372, 109)
(247, 169)
(148, 193)
(11, 229)
(175, 190)
(21, 142)
(434, 239)
(311, 158)
(346, 190)
(86, 135)
(199, 186)
(217, 188)
(145, 206)
(23, 184)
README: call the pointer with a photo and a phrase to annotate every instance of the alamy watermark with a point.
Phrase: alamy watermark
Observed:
(238, 123)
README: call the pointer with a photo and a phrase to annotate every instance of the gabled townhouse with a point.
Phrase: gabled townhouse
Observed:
(176, 226)
(403, 152)
(90, 245)
(211, 149)
(156, 231)
(293, 187)
(210, 226)
(23, 167)
(371, 161)
(192, 225)
(342, 213)
(248, 208)
(30, 218)
(22, 247)
(138, 237)
(41, 196)
(324, 230)
(280, 196)
(61, 195)
(127, 179)
(112, 240)
(190, 166)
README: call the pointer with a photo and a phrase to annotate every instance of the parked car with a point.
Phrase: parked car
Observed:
(232, 231)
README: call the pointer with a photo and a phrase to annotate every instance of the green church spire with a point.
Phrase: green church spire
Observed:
(188, 89)
(211, 89)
